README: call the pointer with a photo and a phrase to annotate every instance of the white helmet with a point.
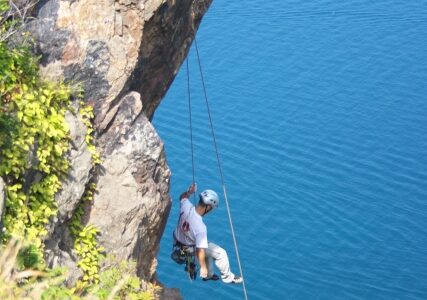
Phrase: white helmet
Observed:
(209, 197)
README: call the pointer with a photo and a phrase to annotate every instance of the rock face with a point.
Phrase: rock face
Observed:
(114, 46)
(132, 204)
(81, 164)
(59, 245)
(124, 54)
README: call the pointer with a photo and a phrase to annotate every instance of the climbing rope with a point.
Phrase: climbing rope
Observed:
(191, 126)
(219, 167)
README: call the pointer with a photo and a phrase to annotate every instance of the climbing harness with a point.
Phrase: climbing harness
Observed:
(183, 254)
(217, 156)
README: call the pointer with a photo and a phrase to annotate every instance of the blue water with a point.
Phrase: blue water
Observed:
(320, 112)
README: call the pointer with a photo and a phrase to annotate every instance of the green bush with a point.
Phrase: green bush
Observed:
(29, 258)
(125, 285)
(35, 111)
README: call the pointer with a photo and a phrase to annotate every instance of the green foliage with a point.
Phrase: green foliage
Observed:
(86, 112)
(29, 258)
(126, 285)
(4, 5)
(36, 111)
(85, 243)
(13, 15)
(33, 140)
(4, 21)
(22, 283)
(54, 292)
(8, 127)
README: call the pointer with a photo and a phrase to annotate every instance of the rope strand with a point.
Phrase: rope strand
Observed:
(220, 171)
(191, 126)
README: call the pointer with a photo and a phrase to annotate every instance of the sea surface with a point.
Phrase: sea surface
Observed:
(320, 115)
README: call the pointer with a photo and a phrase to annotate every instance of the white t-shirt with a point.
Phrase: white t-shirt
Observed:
(191, 230)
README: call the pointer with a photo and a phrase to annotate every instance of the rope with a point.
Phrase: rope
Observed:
(191, 127)
(220, 171)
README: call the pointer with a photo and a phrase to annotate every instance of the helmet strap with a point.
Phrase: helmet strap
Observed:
(206, 209)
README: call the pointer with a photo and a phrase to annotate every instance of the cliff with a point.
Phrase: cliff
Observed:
(124, 54)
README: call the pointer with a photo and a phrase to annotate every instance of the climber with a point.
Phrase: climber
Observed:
(191, 235)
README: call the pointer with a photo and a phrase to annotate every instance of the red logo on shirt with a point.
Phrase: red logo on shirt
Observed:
(185, 226)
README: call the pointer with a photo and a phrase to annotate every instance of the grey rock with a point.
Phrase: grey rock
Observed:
(59, 253)
(124, 114)
(170, 294)
(50, 40)
(92, 74)
(79, 173)
(132, 203)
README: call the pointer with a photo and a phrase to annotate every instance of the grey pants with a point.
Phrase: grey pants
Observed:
(215, 253)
